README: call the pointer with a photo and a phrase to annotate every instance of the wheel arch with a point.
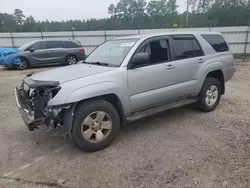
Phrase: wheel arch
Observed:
(218, 74)
(112, 98)
(21, 56)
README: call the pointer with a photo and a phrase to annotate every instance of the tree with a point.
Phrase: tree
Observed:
(228, 13)
(157, 8)
(29, 24)
(7, 22)
(112, 9)
(19, 17)
(172, 11)
(172, 7)
(137, 14)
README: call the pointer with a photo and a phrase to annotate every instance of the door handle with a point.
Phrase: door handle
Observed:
(201, 60)
(170, 66)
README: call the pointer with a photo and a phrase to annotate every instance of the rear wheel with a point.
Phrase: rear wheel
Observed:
(71, 60)
(210, 95)
(95, 126)
(22, 64)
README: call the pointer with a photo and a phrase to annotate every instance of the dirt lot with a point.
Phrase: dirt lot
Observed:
(178, 148)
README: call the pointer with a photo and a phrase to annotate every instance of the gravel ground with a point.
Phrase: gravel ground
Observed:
(177, 148)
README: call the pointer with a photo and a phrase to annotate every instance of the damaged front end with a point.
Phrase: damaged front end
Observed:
(32, 100)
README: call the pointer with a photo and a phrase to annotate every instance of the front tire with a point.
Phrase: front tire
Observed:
(22, 65)
(210, 95)
(95, 125)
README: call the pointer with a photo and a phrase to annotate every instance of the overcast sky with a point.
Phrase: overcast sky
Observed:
(63, 9)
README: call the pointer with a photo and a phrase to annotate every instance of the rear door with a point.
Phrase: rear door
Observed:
(189, 58)
(56, 52)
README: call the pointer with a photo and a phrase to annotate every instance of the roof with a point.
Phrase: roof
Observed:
(53, 39)
(149, 35)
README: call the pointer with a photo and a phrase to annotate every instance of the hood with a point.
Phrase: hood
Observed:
(68, 73)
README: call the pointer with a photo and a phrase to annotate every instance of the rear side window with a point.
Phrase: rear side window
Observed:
(185, 48)
(70, 44)
(55, 44)
(217, 42)
(197, 49)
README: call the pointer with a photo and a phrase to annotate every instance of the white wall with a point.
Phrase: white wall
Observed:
(235, 36)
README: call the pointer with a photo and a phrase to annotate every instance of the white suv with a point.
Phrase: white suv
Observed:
(126, 79)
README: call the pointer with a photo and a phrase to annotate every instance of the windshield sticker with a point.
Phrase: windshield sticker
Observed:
(127, 44)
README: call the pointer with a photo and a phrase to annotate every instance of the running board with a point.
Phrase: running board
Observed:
(152, 111)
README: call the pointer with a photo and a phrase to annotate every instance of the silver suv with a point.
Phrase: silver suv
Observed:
(48, 52)
(126, 79)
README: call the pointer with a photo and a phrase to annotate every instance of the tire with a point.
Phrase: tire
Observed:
(71, 60)
(210, 95)
(86, 134)
(24, 64)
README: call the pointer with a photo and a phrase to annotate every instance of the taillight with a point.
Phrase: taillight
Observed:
(82, 50)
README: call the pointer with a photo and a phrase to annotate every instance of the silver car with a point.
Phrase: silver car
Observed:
(49, 52)
(126, 79)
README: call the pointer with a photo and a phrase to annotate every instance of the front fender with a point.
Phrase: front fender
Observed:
(99, 89)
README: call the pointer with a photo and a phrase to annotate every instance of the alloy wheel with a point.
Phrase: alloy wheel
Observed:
(96, 127)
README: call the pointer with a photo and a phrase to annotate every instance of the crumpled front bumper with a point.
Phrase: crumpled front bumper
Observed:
(26, 113)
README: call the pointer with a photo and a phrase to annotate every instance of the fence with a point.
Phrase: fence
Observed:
(237, 37)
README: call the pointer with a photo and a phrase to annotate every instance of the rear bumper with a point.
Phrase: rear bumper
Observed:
(80, 56)
(229, 72)
(27, 114)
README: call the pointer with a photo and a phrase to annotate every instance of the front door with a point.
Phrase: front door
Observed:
(38, 54)
(153, 83)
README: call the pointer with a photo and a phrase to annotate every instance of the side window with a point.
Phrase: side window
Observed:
(217, 42)
(197, 49)
(70, 44)
(183, 48)
(158, 51)
(55, 44)
(38, 46)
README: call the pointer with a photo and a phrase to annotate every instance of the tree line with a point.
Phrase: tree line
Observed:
(140, 14)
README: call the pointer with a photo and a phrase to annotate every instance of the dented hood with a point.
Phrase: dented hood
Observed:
(69, 73)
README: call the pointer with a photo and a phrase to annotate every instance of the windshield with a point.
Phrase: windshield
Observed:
(26, 46)
(111, 53)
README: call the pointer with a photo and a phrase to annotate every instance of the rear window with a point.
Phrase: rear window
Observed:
(217, 42)
(70, 44)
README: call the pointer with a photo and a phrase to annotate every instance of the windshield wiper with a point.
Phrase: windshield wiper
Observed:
(97, 63)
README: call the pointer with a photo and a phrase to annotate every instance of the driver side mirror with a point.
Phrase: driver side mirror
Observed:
(140, 59)
(31, 49)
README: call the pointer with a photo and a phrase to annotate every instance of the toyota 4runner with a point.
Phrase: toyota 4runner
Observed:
(126, 79)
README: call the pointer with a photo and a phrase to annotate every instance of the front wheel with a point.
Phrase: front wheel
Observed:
(96, 124)
(22, 64)
(210, 95)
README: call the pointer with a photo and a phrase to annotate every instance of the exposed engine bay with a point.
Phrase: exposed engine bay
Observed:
(32, 99)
